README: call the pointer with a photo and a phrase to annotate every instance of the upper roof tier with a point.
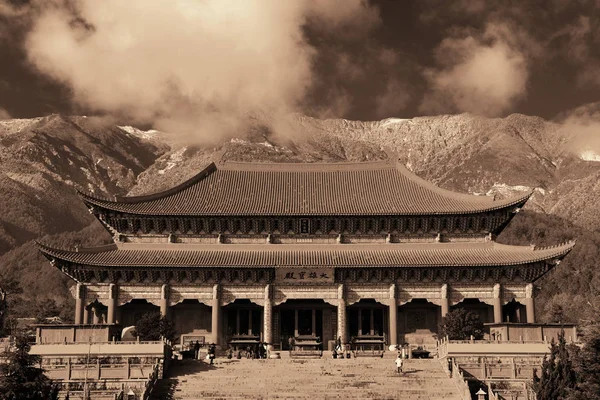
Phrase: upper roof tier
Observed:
(319, 255)
(244, 189)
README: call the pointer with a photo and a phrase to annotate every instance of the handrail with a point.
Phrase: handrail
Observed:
(459, 380)
(103, 343)
(491, 394)
(151, 383)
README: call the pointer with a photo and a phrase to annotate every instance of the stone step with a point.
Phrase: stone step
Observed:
(308, 379)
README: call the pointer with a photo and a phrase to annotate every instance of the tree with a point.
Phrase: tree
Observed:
(558, 379)
(21, 379)
(152, 326)
(460, 324)
(587, 366)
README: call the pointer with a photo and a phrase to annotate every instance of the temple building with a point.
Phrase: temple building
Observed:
(273, 251)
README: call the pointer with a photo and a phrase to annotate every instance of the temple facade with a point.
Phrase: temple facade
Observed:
(273, 251)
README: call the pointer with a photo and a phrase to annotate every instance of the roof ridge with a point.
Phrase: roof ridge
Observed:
(227, 165)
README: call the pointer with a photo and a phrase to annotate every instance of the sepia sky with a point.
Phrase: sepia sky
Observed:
(174, 64)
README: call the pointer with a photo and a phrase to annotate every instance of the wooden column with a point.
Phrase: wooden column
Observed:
(237, 321)
(359, 321)
(79, 303)
(112, 303)
(393, 318)
(86, 315)
(216, 315)
(497, 303)
(164, 301)
(445, 302)
(341, 315)
(296, 322)
(96, 314)
(372, 323)
(249, 321)
(268, 318)
(314, 322)
(529, 306)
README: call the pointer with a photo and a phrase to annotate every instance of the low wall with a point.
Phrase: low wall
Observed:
(100, 349)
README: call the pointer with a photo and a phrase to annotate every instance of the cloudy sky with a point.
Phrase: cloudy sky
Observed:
(174, 63)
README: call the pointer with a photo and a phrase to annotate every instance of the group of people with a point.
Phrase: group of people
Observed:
(212, 351)
(257, 351)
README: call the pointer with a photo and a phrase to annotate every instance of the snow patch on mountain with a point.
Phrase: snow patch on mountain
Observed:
(507, 190)
(589, 155)
(149, 134)
(174, 159)
(393, 121)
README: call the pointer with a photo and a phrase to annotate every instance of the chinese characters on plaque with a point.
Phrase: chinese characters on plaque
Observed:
(304, 275)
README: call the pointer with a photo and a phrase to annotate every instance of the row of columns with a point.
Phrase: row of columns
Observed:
(81, 311)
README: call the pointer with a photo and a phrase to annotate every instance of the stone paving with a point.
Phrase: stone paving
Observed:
(358, 378)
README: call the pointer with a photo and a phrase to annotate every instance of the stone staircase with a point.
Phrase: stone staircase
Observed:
(356, 378)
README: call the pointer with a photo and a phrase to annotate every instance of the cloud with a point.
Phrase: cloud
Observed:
(484, 74)
(583, 125)
(194, 67)
(4, 114)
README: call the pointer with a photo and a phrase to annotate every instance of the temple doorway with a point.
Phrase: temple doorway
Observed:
(191, 318)
(243, 319)
(485, 311)
(513, 311)
(418, 322)
(303, 318)
(367, 318)
(131, 312)
(95, 313)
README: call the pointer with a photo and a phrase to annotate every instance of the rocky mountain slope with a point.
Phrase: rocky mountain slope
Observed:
(43, 160)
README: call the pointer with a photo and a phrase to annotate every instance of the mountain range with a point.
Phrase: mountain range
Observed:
(43, 160)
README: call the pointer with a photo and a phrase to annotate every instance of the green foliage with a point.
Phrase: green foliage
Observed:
(558, 378)
(460, 324)
(153, 327)
(21, 379)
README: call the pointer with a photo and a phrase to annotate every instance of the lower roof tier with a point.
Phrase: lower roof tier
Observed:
(308, 255)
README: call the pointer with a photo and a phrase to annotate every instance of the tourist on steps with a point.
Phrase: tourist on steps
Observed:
(196, 349)
(398, 363)
(211, 353)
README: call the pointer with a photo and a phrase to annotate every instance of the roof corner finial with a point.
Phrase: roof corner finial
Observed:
(269, 238)
(438, 237)
(388, 238)
(340, 238)
(532, 246)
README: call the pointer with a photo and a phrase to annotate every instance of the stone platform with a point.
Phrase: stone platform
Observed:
(361, 378)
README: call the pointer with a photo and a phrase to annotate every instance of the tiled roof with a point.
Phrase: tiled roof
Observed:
(239, 189)
(291, 255)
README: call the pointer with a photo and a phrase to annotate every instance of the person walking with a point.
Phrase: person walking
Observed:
(399, 363)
